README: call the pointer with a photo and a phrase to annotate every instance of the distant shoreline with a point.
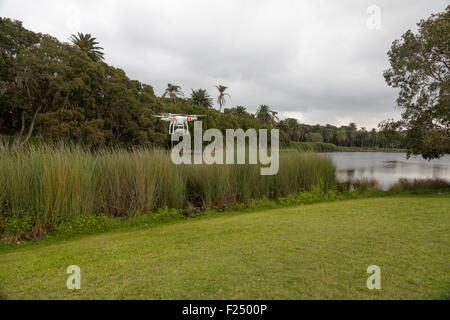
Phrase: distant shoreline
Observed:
(329, 147)
(358, 149)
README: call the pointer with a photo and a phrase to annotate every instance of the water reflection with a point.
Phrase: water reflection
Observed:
(387, 168)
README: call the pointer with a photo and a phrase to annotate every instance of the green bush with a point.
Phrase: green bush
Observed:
(15, 225)
(85, 225)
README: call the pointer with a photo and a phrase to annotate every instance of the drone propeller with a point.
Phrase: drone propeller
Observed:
(171, 116)
(166, 115)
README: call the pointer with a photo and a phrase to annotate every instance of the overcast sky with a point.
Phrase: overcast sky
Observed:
(317, 61)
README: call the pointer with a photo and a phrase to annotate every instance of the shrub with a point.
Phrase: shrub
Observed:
(420, 185)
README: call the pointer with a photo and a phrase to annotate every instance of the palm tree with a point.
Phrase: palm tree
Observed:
(352, 131)
(373, 137)
(221, 99)
(264, 114)
(173, 91)
(241, 110)
(86, 43)
(328, 132)
(363, 135)
(292, 127)
(302, 131)
(341, 137)
(201, 97)
(274, 117)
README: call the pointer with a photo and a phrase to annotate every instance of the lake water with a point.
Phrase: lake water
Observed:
(387, 168)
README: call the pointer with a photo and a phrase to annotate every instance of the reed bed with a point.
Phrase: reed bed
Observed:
(420, 185)
(43, 186)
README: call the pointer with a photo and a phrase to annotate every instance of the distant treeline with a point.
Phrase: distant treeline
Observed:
(57, 92)
(343, 136)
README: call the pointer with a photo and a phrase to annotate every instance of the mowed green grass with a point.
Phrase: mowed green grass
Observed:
(319, 251)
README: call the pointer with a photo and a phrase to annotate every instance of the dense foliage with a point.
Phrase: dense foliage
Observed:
(343, 136)
(65, 92)
(57, 91)
(420, 68)
(88, 44)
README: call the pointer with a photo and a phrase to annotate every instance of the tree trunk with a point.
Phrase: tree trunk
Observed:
(18, 135)
(30, 130)
(17, 141)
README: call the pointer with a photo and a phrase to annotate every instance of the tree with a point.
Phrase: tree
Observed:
(373, 137)
(238, 110)
(201, 97)
(273, 117)
(173, 91)
(363, 136)
(63, 95)
(291, 127)
(352, 128)
(241, 110)
(329, 132)
(314, 137)
(33, 74)
(266, 115)
(88, 44)
(389, 130)
(341, 137)
(57, 92)
(221, 99)
(263, 114)
(420, 65)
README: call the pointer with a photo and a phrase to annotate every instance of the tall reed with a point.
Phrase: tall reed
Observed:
(51, 184)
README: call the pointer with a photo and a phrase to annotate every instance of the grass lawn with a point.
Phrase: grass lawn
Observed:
(319, 251)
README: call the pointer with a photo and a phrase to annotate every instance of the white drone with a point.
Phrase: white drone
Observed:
(178, 123)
